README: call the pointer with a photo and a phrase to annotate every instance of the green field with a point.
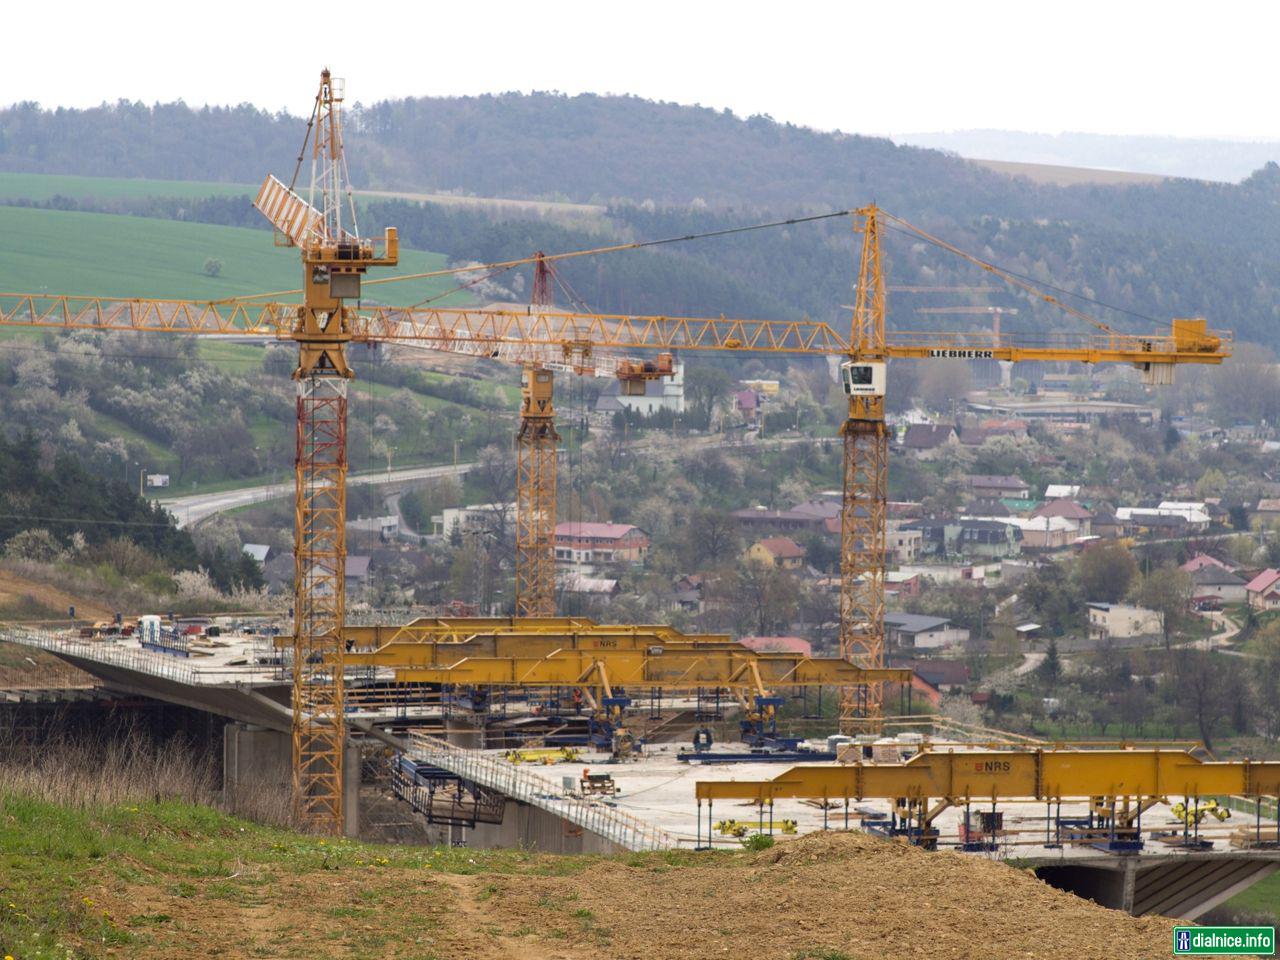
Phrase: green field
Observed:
(53, 251)
(45, 186)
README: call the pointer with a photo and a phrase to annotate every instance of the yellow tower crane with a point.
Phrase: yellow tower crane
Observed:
(334, 258)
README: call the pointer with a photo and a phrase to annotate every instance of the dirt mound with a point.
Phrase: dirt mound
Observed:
(846, 896)
(849, 895)
(832, 846)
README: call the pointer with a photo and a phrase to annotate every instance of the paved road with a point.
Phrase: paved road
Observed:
(196, 507)
(191, 510)
(1029, 662)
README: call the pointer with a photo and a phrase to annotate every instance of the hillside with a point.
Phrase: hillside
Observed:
(172, 880)
(1157, 250)
(102, 254)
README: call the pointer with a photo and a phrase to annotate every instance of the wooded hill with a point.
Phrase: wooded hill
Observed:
(1177, 248)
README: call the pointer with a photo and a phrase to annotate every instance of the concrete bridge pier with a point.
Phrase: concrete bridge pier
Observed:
(257, 774)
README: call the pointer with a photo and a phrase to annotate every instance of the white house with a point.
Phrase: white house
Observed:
(474, 518)
(914, 631)
(1120, 621)
(1213, 581)
(665, 393)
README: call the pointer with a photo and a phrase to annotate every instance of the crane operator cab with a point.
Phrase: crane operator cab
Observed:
(863, 378)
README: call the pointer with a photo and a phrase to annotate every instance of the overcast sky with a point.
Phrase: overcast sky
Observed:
(1123, 66)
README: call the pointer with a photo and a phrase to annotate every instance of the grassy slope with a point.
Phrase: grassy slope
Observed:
(162, 879)
(41, 187)
(1262, 898)
(175, 881)
(51, 251)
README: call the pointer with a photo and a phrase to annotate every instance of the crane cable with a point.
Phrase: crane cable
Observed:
(568, 255)
(912, 230)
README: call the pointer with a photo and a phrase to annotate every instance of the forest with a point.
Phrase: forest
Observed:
(1151, 251)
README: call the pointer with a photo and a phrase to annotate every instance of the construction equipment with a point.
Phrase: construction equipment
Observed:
(1119, 784)
(334, 259)
(597, 784)
(545, 756)
(1190, 816)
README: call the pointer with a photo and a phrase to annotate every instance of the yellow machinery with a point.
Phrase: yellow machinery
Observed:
(546, 756)
(1197, 812)
(334, 258)
(609, 659)
(1119, 784)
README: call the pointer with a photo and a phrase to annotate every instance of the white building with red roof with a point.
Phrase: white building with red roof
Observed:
(1263, 590)
(581, 546)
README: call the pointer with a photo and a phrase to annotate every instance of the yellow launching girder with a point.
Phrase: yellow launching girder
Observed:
(456, 629)
(434, 653)
(673, 667)
(992, 775)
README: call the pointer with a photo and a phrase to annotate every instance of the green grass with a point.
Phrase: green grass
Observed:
(54, 860)
(98, 254)
(45, 186)
(1262, 898)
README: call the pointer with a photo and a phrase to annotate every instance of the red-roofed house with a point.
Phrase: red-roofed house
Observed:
(1263, 590)
(778, 645)
(780, 551)
(1202, 560)
(1068, 509)
(583, 546)
(747, 403)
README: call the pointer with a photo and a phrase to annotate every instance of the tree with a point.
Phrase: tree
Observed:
(1050, 668)
(765, 597)
(705, 385)
(1106, 571)
(1238, 514)
(1167, 591)
(37, 544)
(1212, 483)
(212, 267)
(712, 537)
(1055, 595)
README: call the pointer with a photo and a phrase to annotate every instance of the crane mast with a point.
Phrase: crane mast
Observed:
(333, 259)
(865, 486)
(536, 444)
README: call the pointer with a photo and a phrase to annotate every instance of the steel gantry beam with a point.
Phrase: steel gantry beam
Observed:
(992, 775)
(670, 668)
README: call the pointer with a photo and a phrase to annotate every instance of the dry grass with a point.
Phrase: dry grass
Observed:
(87, 774)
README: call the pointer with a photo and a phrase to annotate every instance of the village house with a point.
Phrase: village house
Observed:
(781, 552)
(582, 546)
(1267, 512)
(927, 441)
(1202, 560)
(474, 518)
(915, 631)
(1213, 582)
(993, 487)
(1122, 621)
(1263, 591)
(1069, 510)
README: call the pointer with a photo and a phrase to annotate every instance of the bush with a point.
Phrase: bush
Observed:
(36, 544)
(757, 842)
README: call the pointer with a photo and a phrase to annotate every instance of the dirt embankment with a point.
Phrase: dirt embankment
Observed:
(821, 896)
